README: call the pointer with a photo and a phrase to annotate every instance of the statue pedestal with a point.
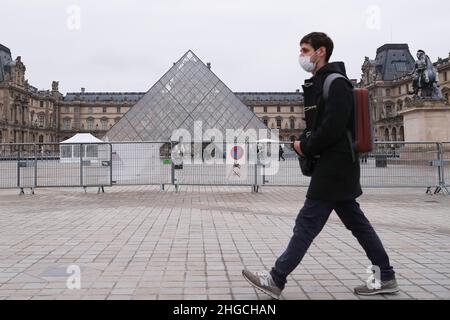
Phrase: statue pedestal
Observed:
(426, 120)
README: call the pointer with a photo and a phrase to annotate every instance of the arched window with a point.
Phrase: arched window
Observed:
(292, 120)
(401, 134)
(394, 134)
(279, 122)
(104, 123)
(386, 134)
(90, 123)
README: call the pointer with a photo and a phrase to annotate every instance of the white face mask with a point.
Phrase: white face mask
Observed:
(306, 64)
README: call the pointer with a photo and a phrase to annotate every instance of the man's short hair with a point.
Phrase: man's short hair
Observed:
(318, 40)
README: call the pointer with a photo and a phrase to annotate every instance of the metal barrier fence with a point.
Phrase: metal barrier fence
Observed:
(288, 173)
(391, 164)
(446, 164)
(141, 163)
(55, 165)
(401, 165)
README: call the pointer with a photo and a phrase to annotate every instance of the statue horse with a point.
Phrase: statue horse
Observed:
(426, 79)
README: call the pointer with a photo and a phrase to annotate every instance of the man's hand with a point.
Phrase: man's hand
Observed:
(298, 148)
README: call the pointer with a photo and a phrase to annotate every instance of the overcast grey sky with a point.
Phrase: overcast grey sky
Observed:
(127, 45)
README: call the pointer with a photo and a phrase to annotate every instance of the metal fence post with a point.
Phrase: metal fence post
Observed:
(247, 159)
(172, 169)
(441, 169)
(35, 168)
(443, 164)
(110, 164)
(18, 171)
(81, 167)
(256, 176)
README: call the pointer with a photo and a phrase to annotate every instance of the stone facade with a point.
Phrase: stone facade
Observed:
(26, 114)
(389, 83)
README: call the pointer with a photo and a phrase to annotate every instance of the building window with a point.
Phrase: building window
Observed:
(388, 92)
(445, 76)
(401, 66)
(104, 109)
(292, 124)
(265, 109)
(90, 123)
(41, 118)
(400, 90)
(265, 121)
(278, 109)
(90, 110)
(292, 109)
(67, 109)
(66, 123)
(388, 111)
(42, 104)
(118, 109)
(104, 123)
(279, 123)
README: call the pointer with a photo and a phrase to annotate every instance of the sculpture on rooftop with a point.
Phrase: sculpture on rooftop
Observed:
(425, 79)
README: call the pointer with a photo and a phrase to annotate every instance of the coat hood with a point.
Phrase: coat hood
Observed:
(333, 67)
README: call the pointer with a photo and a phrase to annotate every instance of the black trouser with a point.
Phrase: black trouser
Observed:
(311, 220)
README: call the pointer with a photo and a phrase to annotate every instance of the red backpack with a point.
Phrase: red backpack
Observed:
(363, 118)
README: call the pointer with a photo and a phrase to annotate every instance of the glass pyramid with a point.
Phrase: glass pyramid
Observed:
(188, 92)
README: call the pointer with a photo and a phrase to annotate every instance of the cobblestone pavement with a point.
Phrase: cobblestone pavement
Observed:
(140, 243)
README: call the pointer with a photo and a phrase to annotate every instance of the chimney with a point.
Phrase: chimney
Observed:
(82, 90)
(297, 90)
(208, 64)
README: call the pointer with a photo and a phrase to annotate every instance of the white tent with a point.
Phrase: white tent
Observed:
(70, 148)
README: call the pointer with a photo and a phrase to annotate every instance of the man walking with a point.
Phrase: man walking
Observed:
(335, 180)
(281, 153)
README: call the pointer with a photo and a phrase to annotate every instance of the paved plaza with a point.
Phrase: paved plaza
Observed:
(141, 243)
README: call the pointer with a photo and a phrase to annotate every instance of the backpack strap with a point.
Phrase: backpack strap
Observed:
(326, 91)
(329, 80)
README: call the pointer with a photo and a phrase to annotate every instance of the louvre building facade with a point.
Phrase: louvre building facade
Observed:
(188, 92)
